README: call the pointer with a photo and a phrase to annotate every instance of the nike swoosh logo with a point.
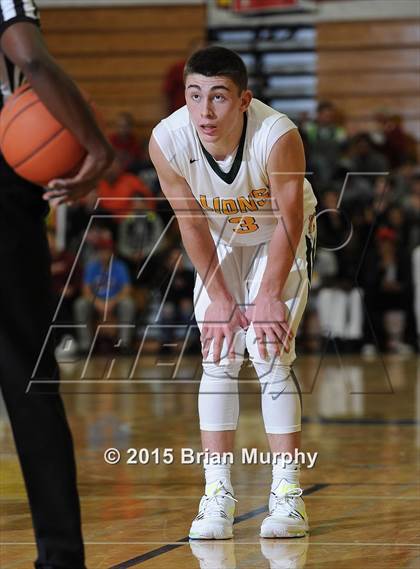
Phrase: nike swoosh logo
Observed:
(192, 160)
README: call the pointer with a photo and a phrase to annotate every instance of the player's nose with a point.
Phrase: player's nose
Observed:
(206, 110)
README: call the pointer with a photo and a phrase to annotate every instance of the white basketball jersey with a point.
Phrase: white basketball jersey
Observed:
(234, 194)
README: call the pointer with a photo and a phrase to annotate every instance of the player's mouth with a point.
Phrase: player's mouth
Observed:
(208, 129)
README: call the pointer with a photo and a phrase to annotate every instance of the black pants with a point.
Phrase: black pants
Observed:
(42, 437)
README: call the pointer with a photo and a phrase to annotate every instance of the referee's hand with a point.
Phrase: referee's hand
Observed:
(69, 190)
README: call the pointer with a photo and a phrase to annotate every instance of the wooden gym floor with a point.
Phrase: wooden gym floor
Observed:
(363, 418)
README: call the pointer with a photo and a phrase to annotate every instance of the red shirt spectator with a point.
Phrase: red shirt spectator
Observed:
(174, 88)
(126, 143)
(118, 188)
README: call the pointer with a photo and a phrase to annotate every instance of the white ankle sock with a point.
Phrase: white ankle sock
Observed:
(216, 473)
(289, 472)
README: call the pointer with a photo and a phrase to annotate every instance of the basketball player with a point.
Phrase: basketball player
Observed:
(39, 425)
(233, 171)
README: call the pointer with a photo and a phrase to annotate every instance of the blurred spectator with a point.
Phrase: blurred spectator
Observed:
(324, 139)
(148, 174)
(79, 221)
(125, 141)
(173, 85)
(106, 295)
(339, 300)
(387, 293)
(395, 219)
(397, 145)
(415, 259)
(412, 212)
(117, 190)
(176, 284)
(382, 197)
(341, 315)
(354, 189)
(138, 236)
(174, 88)
(333, 227)
(63, 268)
(363, 158)
(407, 239)
(402, 179)
(176, 281)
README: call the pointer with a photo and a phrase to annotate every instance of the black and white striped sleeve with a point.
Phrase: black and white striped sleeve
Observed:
(12, 11)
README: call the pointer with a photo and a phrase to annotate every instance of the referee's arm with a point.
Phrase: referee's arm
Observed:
(22, 43)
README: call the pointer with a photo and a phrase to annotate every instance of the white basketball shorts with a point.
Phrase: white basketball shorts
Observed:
(243, 269)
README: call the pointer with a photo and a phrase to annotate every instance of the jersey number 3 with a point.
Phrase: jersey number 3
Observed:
(246, 224)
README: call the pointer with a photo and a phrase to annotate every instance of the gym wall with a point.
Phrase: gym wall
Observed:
(119, 55)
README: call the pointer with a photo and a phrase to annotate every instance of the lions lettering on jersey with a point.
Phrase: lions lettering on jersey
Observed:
(257, 199)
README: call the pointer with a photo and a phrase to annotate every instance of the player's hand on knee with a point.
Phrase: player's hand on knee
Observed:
(216, 335)
(221, 321)
(270, 319)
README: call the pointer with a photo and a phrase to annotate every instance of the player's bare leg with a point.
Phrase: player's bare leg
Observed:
(288, 442)
(218, 441)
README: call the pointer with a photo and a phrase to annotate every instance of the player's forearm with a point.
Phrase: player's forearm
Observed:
(201, 249)
(281, 255)
(62, 98)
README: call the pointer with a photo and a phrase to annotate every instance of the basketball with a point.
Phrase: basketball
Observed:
(33, 142)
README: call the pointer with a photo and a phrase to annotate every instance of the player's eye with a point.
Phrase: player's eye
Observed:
(195, 97)
(219, 98)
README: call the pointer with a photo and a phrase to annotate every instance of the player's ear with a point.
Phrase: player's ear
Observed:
(246, 98)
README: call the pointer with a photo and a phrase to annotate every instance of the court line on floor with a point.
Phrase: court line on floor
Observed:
(179, 543)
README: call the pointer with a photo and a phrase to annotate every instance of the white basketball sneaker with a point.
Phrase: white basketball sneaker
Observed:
(214, 554)
(215, 514)
(287, 517)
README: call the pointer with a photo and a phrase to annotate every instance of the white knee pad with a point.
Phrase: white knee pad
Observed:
(218, 399)
(281, 398)
(285, 358)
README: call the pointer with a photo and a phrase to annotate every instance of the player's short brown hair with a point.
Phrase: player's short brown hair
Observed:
(216, 61)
